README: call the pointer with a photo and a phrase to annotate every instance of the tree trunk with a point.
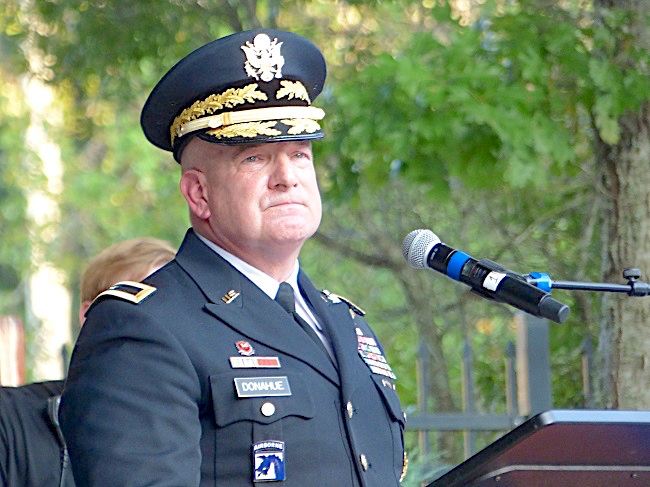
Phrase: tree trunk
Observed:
(625, 336)
(624, 347)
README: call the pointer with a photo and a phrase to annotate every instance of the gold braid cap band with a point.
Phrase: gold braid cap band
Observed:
(252, 115)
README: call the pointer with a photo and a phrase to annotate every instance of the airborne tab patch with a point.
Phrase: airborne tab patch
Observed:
(268, 461)
(134, 292)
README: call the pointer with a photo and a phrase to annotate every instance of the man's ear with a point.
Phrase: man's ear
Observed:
(195, 190)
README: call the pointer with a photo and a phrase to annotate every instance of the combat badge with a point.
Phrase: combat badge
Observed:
(268, 461)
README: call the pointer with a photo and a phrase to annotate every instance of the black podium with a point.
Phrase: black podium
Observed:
(563, 448)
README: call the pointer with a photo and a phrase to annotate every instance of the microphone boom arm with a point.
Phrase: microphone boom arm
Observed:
(632, 288)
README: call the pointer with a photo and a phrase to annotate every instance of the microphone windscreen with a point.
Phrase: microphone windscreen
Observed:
(417, 246)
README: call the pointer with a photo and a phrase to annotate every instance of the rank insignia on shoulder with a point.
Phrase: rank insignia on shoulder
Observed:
(335, 298)
(134, 292)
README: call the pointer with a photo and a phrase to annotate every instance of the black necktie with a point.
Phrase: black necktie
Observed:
(286, 299)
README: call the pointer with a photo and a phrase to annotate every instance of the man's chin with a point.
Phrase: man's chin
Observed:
(294, 232)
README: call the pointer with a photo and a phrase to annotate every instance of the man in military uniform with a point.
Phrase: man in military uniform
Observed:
(32, 450)
(228, 367)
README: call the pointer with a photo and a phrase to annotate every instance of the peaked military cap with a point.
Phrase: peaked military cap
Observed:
(249, 87)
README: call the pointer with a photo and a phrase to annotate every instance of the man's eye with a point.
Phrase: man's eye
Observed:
(251, 159)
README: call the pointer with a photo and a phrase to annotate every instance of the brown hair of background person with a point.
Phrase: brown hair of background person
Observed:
(32, 450)
(131, 260)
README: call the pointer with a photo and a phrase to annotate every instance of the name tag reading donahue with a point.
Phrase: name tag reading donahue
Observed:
(262, 386)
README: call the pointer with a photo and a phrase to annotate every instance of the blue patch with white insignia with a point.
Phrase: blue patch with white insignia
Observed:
(268, 461)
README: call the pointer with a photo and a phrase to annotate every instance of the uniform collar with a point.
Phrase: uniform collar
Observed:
(262, 280)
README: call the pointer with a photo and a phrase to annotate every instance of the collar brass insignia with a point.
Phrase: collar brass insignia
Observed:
(230, 296)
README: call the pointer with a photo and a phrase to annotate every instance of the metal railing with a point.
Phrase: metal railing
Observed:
(527, 385)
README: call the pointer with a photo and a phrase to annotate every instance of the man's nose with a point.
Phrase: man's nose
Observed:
(284, 172)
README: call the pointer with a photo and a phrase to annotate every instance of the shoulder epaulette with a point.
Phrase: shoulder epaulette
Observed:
(134, 292)
(335, 298)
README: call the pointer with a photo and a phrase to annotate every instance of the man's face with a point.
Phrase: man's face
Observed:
(259, 198)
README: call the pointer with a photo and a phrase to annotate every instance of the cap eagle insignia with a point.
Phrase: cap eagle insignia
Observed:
(263, 58)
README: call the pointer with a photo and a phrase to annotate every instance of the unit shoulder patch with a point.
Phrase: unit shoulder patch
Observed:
(335, 298)
(131, 291)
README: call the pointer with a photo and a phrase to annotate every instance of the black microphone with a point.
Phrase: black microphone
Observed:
(422, 249)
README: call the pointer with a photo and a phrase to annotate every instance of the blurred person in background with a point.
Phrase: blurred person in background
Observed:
(32, 449)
